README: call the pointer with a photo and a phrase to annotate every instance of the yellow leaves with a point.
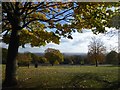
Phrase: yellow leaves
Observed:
(90, 15)
(25, 31)
(38, 37)
(89, 26)
(54, 56)
(56, 62)
(55, 7)
(42, 16)
(30, 33)
(87, 6)
(39, 15)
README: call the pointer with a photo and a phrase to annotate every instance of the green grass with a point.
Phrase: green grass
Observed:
(68, 77)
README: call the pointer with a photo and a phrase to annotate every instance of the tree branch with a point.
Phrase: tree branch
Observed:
(32, 21)
(5, 25)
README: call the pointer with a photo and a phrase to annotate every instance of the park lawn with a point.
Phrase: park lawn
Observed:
(68, 77)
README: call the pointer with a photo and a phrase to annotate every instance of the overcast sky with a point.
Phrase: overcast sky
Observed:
(79, 43)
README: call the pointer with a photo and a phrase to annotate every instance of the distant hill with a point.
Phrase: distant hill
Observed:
(70, 54)
(39, 54)
(65, 54)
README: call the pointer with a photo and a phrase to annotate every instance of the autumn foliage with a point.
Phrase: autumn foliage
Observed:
(96, 51)
(53, 56)
(23, 59)
(39, 23)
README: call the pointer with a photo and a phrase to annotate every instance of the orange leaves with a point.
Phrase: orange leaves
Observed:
(59, 10)
(76, 11)
(34, 15)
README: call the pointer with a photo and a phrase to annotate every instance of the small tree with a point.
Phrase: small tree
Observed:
(24, 59)
(96, 51)
(53, 55)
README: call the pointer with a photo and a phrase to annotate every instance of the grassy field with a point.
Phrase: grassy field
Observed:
(68, 77)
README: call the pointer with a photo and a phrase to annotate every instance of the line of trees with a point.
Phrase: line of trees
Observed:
(51, 56)
(55, 57)
(97, 53)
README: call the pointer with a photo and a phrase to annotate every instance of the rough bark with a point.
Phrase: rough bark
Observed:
(10, 75)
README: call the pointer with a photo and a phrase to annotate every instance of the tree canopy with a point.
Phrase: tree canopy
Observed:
(54, 19)
(53, 56)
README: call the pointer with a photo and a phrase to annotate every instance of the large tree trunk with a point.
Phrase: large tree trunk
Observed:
(10, 74)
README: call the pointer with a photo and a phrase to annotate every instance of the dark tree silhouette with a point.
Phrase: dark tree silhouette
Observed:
(112, 57)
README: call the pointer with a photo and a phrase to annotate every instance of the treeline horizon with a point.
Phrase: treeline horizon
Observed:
(31, 58)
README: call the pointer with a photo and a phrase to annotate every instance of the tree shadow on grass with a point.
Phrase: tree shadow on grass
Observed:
(115, 85)
(78, 81)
